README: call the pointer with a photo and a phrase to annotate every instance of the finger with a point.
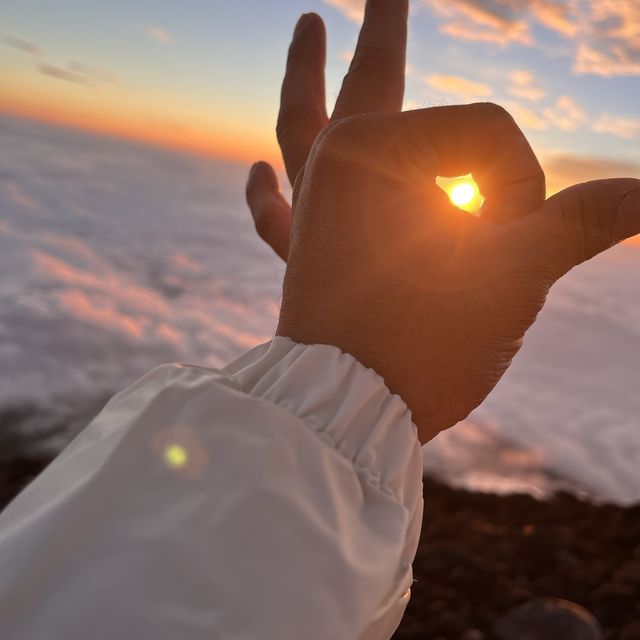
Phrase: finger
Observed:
(271, 212)
(482, 139)
(579, 223)
(303, 111)
(375, 81)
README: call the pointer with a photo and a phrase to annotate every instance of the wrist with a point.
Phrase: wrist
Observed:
(375, 354)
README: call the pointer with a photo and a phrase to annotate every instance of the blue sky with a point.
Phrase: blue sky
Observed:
(568, 71)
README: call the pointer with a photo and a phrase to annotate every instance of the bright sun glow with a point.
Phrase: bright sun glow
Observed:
(175, 456)
(462, 194)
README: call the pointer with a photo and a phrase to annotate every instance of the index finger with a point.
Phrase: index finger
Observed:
(483, 139)
(375, 81)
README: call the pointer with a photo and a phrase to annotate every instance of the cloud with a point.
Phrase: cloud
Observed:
(557, 16)
(608, 60)
(159, 34)
(63, 74)
(612, 44)
(352, 9)
(505, 21)
(494, 21)
(566, 114)
(78, 73)
(627, 128)
(566, 169)
(525, 117)
(94, 73)
(605, 34)
(458, 86)
(22, 45)
(121, 284)
(523, 86)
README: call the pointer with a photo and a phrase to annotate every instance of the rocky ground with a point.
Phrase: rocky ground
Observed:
(482, 555)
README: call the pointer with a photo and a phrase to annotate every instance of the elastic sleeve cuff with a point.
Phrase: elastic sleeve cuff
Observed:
(348, 405)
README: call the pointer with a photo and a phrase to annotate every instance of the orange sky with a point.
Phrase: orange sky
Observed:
(222, 141)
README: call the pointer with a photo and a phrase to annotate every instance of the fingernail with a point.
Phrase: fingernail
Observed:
(628, 219)
(253, 168)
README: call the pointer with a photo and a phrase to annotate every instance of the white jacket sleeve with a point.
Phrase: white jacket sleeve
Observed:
(279, 498)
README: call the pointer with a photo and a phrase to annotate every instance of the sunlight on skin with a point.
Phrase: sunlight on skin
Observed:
(176, 456)
(463, 192)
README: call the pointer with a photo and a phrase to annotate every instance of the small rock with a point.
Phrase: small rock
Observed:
(546, 618)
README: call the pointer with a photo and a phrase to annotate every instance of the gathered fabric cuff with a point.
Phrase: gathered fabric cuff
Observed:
(346, 404)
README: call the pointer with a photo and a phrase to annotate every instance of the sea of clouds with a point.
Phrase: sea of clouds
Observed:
(115, 257)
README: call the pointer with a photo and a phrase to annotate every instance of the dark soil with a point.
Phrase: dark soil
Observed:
(481, 555)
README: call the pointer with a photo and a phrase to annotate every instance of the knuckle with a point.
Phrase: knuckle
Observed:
(337, 136)
(333, 133)
(494, 111)
(496, 116)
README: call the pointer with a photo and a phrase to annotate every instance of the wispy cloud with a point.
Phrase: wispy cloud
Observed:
(22, 45)
(63, 74)
(522, 85)
(565, 169)
(604, 34)
(159, 34)
(458, 86)
(94, 73)
(79, 73)
(566, 114)
(352, 9)
(611, 46)
(627, 128)
(492, 21)
(526, 117)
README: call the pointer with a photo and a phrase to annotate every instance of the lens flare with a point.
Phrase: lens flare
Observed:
(176, 456)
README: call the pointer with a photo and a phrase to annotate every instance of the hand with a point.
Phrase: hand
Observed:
(433, 299)
(374, 84)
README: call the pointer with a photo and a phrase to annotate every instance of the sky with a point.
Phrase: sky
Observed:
(205, 75)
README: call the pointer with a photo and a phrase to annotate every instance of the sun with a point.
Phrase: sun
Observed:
(462, 194)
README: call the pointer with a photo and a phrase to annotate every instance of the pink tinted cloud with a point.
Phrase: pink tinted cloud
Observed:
(523, 85)
(159, 34)
(102, 313)
(494, 21)
(352, 9)
(612, 43)
(566, 114)
(458, 86)
(605, 33)
(622, 127)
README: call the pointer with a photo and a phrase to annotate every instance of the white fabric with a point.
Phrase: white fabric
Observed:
(280, 498)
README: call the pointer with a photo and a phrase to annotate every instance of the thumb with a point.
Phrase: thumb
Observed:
(580, 222)
(271, 212)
